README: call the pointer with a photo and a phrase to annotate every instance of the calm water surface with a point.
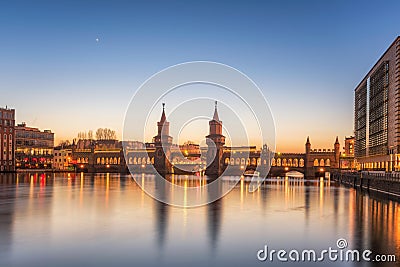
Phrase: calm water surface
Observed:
(107, 220)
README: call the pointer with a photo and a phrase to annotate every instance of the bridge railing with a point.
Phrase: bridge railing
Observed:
(385, 176)
(395, 177)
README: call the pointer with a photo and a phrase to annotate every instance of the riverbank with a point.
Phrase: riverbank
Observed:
(42, 170)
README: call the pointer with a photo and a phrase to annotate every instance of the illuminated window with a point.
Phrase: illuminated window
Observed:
(227, 161)
(295, 162)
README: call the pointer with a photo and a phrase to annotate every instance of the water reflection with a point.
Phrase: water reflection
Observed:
(214, 214)
(106, 219)
(161, 216)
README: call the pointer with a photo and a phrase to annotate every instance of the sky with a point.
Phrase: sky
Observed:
(306, 57)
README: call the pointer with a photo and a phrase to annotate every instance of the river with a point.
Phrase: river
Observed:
(108, 220)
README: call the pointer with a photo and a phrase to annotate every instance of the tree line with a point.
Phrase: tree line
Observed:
(101, 134)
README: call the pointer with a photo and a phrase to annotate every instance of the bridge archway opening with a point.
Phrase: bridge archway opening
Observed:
(328, 162)
(316, 163)
(294, 174)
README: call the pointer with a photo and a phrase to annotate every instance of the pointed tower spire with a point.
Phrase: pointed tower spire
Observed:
(308, 140)
(163, 124)
(337, 140)
(163, 117)
(216, 117)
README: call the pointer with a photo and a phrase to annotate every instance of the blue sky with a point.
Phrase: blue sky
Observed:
(307, 56)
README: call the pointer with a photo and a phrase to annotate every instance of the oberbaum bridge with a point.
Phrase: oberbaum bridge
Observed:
(167, 158)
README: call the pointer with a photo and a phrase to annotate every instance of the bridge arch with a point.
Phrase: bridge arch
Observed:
(316, 163)
(327, 162)
(295, 162)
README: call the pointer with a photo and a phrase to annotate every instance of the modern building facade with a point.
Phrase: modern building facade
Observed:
(377, 114)
(34, 148)
(7, 140)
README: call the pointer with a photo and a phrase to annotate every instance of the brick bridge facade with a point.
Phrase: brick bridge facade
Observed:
(109, 156)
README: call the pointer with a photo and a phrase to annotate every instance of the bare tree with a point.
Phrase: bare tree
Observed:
(82, 135)
(64, 143)
(105, 134)
(100, 134)
(90, 135)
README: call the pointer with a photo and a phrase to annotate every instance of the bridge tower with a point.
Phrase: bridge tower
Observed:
(265, 158)
(308, 164)
(215, 142)
(308, 151)
(337, 153)
(163, 144)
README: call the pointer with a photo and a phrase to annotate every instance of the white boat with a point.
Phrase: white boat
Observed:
(251, 174)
